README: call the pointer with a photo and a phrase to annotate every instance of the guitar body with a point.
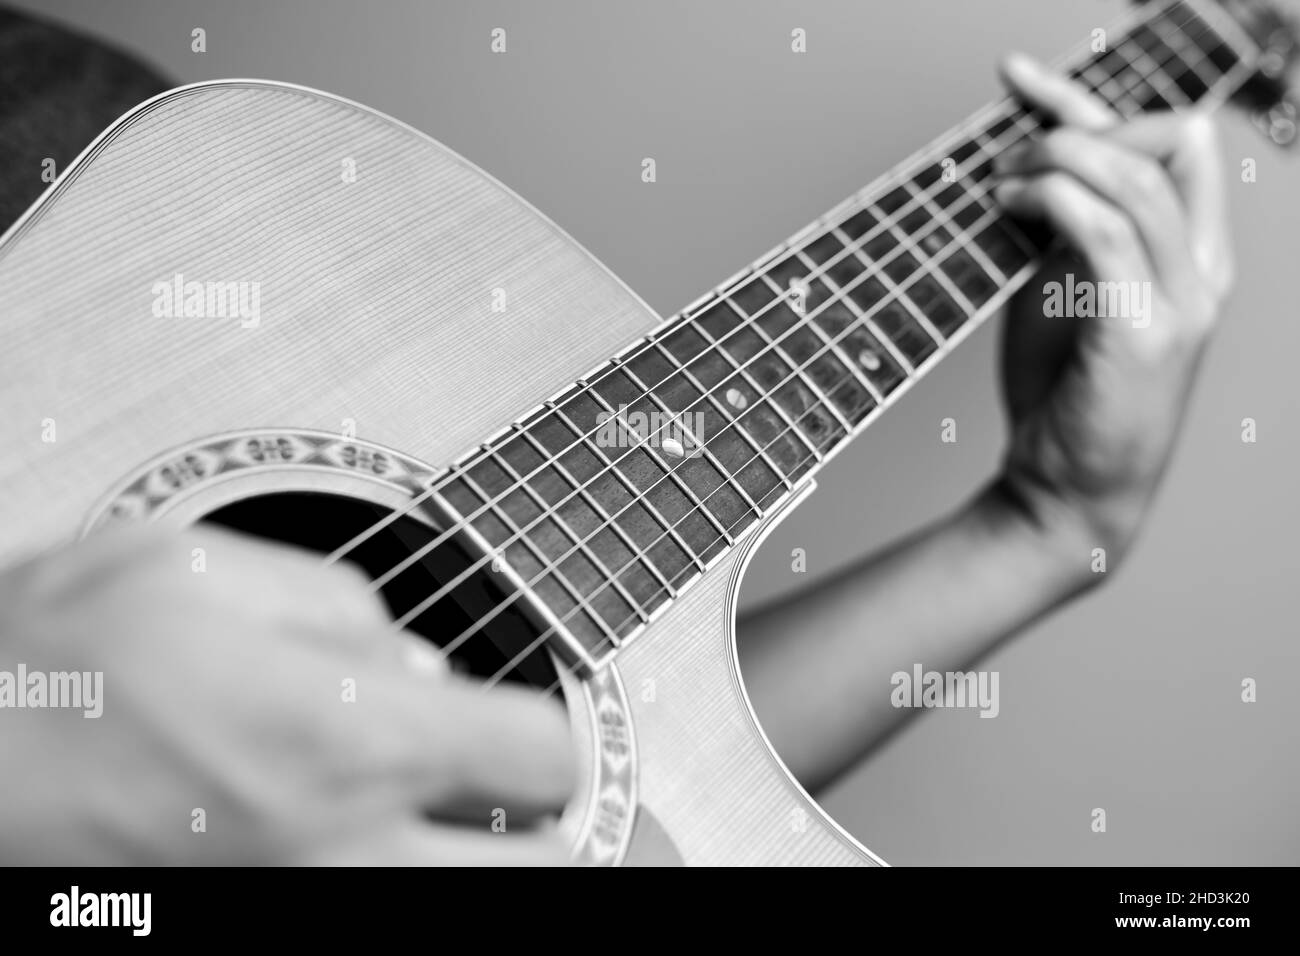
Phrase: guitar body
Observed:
(377, 256)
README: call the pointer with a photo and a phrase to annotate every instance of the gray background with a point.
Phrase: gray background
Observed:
(1128, 700)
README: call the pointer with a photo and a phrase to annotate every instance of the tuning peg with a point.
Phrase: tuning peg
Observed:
(1276, 54)
(1278, 121)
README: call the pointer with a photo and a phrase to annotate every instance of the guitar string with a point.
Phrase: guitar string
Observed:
(614, 575)
(632, 602)
(447, 649)
(957, 242)
(524, 654)
(871, 270)
(615, 631)
(796, 373)
(971, 196)
(1228, 80)
(588, 387)
(845, 211)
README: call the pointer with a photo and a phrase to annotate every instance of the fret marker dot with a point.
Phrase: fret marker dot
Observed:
(736, 398)
(673, 447)
(932, 243)
(869, 359)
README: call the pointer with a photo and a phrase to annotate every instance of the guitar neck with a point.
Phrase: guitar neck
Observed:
(617, 494)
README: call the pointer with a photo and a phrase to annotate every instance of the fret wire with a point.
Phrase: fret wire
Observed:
(505, 519)
(523, 655)
(1246, 62)
(845, 211)
(988, 218)
(866, 318)
(653, 453)
(612, 469)
(532, 647)
(881, 276)
(435, 486)
(1127, 86)
(517, 536)
(874, 270)
(1184, 65)
(1168, 87)
(1230, 37)
(607, 520)
(1177, 40)
(781, 353)
(983, 221)
(1025, 121)
(1161, 81)
(635, 493)
(548, 568)
(585, 439)
(822, 397)
(1126, 101)
(1109, 87)
(850, 210)
(1190, 46)
(989, 148)
(921, 256)
(826, 339)
(1155, 25)
(743, 371)
(1169, 90)
(713, 461)
(975, 190)
(582, 543)
(1028, 126)
(976, 253)
(726, 414)
(541, 638)
(974, 193)
(1022, 125)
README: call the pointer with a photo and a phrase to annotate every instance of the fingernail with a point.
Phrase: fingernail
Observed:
(1006, 191)
(423, 658)
(1010, 157)
(1022, 66)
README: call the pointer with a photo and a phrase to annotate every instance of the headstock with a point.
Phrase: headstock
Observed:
(1268, 94)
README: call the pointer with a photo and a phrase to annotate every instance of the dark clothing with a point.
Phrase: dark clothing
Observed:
(58, 91)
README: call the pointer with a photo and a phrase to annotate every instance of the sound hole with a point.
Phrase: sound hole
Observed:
(323, 522)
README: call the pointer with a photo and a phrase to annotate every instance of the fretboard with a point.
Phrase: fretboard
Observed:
(611, 499)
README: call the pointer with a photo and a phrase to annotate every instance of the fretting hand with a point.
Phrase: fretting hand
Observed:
(1095, 403)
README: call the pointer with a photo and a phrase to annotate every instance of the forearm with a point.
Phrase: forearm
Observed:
(818, 666)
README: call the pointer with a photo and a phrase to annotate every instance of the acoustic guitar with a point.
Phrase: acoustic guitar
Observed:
(266, 307)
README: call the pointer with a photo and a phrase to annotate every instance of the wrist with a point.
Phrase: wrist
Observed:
(1062, 534)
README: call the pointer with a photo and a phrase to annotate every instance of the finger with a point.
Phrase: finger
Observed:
(1059, 97)
(288, 585)
(422, 656)
(1034, 345)
(1104, 236)
(1188, 146)
(452, 748)
(1126, 178)
(97, 560)
(418, 843)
